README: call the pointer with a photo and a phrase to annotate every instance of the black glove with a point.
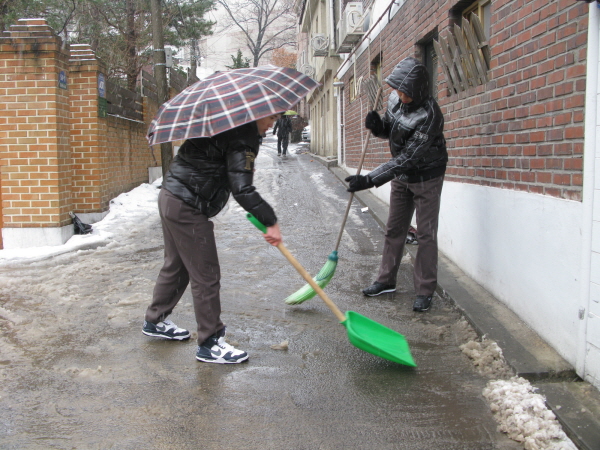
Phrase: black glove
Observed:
(359, 183)
(373, 122)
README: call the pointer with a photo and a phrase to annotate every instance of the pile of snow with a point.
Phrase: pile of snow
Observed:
(523, 415)
(126, 212)
(487, 357)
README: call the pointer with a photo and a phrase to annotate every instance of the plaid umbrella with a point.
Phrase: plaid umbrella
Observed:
(227, 100)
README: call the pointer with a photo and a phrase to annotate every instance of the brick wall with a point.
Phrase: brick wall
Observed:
(523, 129)
(57, 154)
(35, 128)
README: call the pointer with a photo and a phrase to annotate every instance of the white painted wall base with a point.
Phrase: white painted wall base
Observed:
(523, 248)
(35, 237)
(154, 173)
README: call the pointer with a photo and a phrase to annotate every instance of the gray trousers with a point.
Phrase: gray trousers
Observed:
(405, 198)
(190, 258)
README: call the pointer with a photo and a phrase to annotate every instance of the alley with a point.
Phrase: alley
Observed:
(77, 373)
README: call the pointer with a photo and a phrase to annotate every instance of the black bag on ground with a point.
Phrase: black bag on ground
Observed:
(80, 227)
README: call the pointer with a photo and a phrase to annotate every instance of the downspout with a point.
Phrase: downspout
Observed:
(339, 93)
(332, 24)
(589, 149)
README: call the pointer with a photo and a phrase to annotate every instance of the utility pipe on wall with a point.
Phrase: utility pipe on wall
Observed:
(589, 150)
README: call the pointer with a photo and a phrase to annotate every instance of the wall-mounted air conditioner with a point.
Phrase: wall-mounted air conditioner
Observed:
(319, 44)
(350, 27)
(307, 70)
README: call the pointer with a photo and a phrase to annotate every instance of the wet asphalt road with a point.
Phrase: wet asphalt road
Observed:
(77, 373)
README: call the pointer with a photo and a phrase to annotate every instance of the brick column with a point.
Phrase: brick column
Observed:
(88, 134)
(35, 156)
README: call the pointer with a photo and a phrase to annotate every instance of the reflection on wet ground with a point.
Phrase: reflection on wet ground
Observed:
(77, 373)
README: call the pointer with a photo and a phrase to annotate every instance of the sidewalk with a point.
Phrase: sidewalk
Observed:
(575, 402)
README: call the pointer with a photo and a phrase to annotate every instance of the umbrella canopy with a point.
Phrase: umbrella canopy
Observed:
(226, 100)
(290, 113)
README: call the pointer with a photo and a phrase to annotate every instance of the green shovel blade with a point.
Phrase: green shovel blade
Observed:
(374, 338)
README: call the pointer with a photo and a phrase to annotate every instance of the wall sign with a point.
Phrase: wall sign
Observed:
(62, 80)
(101, 95)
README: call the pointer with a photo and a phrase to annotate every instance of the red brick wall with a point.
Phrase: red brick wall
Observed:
(523, 129)
(34, 149)
(56, 154)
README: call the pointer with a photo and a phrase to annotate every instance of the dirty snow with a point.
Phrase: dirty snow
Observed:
(520, 412)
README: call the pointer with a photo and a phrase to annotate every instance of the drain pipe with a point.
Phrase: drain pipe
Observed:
(589, 150)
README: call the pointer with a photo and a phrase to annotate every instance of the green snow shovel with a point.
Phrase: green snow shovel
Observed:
(363, 333)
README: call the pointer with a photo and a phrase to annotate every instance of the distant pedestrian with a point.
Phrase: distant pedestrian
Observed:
(413, 124)
(283, 128)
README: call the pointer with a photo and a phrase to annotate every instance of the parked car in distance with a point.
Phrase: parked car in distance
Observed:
(306, 133)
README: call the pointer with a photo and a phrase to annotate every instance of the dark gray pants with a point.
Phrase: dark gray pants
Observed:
(190, 258)
(405, 198)
(282, 143)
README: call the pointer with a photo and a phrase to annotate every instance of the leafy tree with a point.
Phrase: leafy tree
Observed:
(119, 31)
(282, 58)
(266, 24)
(239, 61)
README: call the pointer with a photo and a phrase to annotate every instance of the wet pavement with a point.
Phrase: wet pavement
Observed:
(77, 373)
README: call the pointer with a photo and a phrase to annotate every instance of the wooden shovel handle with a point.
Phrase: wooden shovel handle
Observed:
(282, 248)
(300, 270)
(360, 164)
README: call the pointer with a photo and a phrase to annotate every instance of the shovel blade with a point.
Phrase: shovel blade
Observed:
(374, 338)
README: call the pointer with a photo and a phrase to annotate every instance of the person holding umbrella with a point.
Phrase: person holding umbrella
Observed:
(413, 125)
(283, 128)
(216, 160)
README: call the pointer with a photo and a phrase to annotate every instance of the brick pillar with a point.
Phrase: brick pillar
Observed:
(88, 134)
(34, 126)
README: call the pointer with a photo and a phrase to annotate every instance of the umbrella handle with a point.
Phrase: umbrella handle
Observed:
(302, 271)
(360, 164)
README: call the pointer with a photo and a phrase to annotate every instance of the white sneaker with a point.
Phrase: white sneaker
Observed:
(166, 330)
(216, 350)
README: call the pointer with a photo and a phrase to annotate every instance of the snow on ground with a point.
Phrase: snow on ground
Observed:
(521, 413)
(126, 211)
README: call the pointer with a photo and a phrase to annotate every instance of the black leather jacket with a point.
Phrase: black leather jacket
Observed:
(206, 170)
(414, 130)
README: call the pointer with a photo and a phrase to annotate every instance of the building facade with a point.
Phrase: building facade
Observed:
(517, 84)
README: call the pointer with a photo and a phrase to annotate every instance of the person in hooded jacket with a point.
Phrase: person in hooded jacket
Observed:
(283, 128)
(196, 187)
(413, 124)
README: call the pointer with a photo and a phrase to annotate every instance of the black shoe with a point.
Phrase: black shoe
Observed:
(216, 350)
(166, 330)
(378, 288)
(422, 303)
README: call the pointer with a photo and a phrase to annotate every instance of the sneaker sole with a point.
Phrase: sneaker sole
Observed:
(379, 293)
(164, 336)
(223, 361)
(422, 309)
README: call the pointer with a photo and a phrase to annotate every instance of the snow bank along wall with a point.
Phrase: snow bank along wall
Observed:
(60, 151)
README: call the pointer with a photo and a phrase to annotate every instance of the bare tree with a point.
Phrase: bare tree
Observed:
(266, 24)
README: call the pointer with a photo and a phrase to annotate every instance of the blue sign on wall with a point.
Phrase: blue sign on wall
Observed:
(62, 80)
(101, 85)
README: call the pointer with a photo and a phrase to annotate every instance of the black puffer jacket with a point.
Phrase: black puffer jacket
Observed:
(206, 170)
(415, 130)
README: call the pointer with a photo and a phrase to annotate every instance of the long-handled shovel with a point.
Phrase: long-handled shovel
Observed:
(363, 333)
(326, 273)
